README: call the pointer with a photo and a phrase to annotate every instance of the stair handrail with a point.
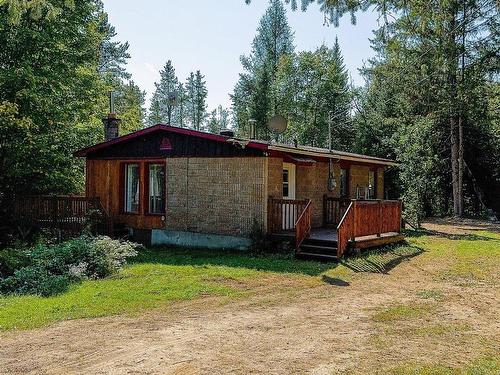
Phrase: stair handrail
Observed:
(303, 225)
(345, 229)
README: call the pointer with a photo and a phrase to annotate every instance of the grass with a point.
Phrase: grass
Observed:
(155, 278)
(398, 312)
(162, 276)
(482, 366)
(434, 294)
(467, 259)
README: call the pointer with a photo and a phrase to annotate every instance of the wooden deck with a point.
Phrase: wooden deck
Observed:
(363, 224)
(328, 236)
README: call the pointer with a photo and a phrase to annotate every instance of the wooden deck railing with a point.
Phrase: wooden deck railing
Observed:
(303, 225)
(282, 214)
(67, 213)
(368, 217)
(334, 209)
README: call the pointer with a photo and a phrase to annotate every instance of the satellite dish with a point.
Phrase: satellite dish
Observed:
(278, 124)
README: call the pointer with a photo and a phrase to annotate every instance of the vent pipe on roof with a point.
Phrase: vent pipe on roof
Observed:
(251, 123)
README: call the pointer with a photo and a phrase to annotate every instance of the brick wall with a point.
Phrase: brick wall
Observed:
(216, 195)
(275, 177)
(312, 183)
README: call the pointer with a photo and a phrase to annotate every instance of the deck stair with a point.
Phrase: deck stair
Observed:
(312, 248)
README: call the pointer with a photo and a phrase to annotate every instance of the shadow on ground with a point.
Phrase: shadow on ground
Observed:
(449, 236)
(281, 263)
(334, 281)
(382, 260)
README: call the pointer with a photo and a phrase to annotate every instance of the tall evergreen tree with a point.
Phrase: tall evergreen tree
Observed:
(129, 97)
(254, 95)
(196, 92)
(113, 54)
(218, 120)
(165, 96)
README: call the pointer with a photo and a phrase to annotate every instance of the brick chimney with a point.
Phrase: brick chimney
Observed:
(111, 123)
(111, 126)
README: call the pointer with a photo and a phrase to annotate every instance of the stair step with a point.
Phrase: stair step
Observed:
(319, 249)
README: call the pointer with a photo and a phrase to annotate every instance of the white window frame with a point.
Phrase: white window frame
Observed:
(291, 168)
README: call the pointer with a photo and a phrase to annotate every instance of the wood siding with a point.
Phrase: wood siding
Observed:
(181, 145)
(103, 180)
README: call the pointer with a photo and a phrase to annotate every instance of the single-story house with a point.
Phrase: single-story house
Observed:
(179, 186)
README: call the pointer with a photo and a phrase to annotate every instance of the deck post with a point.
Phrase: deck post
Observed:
(324, 210)
(379, 218)
(353, 220)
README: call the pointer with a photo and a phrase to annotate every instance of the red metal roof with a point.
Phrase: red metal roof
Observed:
(274, 148)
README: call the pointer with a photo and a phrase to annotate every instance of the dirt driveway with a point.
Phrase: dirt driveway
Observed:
(366, 322)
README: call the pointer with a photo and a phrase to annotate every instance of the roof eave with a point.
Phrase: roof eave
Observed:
(333, 155)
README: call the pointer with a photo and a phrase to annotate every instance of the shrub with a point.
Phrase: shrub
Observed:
(12, 259)
(35, 280)
(48, 269)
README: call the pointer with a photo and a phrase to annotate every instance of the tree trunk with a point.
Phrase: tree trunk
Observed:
(456, 142)
(460, 163)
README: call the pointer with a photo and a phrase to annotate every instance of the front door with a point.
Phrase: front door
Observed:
(289, 209)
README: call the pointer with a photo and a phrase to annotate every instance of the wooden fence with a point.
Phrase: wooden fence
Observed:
(366, 218)
(70, 214)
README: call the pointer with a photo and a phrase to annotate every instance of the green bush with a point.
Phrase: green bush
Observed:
(35, 280)
(50, 268)
(12, 259)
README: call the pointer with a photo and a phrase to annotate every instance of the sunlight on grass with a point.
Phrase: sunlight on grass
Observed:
(481, 366)
(399, 312)
(137, 287)
(465, 260)
(156, 278)
(159, 277)
(434, 294)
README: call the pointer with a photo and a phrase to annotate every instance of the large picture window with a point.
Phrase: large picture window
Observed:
(132, 195)
(156, 184)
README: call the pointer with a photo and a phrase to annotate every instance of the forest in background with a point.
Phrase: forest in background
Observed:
(431, 98)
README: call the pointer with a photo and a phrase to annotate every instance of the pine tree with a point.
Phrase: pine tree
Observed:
(113, 54)
(436, 74)
(253, 95)
(165, 96)
(196, 92)
(218, 120)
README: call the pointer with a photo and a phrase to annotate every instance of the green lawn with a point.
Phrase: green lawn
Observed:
(155, 278)
(158, 277)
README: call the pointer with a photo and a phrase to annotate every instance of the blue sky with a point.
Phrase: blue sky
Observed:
(210, 35)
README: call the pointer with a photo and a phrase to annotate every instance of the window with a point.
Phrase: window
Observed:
(344, 186)
(156, 184)
(372, 186)
(131, 204)
(286, 185)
